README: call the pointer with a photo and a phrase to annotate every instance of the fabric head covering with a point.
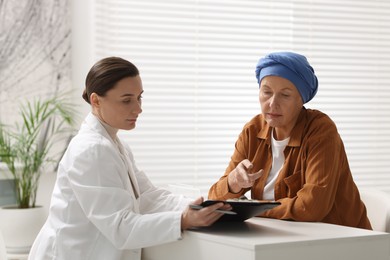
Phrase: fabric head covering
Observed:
(291, 66)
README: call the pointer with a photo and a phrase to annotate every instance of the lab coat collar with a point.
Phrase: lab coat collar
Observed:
(110, 130)
(94, 123)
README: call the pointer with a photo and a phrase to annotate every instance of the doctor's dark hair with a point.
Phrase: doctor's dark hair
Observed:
(104, 75)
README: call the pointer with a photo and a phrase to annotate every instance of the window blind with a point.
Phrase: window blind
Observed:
(197, 61)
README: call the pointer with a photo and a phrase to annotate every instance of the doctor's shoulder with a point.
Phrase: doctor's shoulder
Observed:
(92, 145)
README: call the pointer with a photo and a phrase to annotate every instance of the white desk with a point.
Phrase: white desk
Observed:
(262, 238)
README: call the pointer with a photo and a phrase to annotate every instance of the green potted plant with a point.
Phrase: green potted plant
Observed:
(27, 148)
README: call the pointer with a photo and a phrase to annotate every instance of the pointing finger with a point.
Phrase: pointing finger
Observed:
(256, 175)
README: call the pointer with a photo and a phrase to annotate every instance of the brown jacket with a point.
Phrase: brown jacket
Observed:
(315, 183)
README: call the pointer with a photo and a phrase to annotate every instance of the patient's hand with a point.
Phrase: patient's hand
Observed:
(242, 177)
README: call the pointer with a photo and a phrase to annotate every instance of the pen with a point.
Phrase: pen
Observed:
(217, 210)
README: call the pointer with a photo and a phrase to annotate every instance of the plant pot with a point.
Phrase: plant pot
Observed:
(7, 186)
(20, 227)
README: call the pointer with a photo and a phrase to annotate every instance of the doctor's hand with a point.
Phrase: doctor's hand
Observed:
(242, 177)
(203, 217)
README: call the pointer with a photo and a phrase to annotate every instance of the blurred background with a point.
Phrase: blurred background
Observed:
(197, 60)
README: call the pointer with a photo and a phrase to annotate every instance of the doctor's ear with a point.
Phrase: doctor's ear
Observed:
(94, 99)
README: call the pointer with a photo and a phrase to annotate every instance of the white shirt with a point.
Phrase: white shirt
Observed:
(95, 213)
(277, 164)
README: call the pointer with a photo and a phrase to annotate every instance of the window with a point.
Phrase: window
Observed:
(197, 61)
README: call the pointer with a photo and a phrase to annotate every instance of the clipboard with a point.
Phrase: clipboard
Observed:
(244, 209)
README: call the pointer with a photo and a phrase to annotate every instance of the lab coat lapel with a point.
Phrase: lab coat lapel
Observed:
(94, 123)
(130, 168)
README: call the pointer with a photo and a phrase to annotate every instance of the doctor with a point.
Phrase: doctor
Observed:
(103, 206)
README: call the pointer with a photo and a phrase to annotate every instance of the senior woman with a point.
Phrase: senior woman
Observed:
(292, 154)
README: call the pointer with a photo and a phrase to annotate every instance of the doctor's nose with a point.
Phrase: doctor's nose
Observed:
(137, 109)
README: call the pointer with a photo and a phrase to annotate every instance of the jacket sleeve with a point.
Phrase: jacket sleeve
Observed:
(323, 161)
(96, 177)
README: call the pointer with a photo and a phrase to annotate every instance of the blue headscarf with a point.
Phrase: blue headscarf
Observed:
(291, 66)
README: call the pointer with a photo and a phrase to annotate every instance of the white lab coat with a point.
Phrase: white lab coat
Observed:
(94, 213)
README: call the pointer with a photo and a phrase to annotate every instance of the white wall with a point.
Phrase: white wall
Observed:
(81, 50)
(35, 52)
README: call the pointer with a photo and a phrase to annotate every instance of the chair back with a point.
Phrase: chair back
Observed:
(378, 208)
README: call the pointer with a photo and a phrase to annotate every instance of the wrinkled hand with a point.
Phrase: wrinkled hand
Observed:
(202, 217)
(242, 177)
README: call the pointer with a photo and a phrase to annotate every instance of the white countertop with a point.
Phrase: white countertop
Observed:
(263, 238)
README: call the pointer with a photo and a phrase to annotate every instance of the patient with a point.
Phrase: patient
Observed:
(292, 154)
